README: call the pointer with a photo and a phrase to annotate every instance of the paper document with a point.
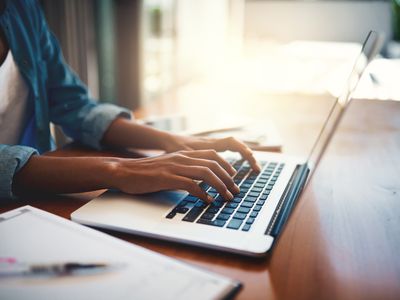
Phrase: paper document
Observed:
(32, 236)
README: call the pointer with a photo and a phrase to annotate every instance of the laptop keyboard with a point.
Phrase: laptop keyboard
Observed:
(239, 213)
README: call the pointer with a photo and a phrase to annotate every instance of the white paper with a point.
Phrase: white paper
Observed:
(35, 236)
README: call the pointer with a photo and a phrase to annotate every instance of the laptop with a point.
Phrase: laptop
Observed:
(252, 221)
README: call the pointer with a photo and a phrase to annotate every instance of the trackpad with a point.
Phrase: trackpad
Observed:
(129, 211)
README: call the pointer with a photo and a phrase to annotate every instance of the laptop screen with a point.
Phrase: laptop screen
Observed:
(370, 48)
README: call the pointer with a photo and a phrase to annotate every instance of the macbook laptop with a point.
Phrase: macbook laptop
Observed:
(252, 221)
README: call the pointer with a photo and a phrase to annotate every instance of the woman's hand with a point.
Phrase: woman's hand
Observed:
(128, 134)
(176, 143)
(177, 170)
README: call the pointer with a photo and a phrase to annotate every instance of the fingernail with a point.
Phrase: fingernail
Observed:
(237, 189)
(229, 195)
(210, 199)
(233, 171)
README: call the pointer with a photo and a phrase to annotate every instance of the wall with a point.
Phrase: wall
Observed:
(287, 20)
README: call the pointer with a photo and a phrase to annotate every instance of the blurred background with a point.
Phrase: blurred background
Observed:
(135, 53)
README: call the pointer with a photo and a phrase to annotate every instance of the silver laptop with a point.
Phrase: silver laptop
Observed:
(249, 223)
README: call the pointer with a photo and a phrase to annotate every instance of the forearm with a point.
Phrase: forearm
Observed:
(124, 133)
(64, 174)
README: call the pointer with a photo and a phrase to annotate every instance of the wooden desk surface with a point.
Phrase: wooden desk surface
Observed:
(342, 240)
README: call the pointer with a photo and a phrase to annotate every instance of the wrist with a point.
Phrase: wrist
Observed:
(110, 172)
(169, 141)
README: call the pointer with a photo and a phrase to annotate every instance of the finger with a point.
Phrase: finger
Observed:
(211, 154)
(233, 144)
(214, 167)
(205, 174)
(187, 184)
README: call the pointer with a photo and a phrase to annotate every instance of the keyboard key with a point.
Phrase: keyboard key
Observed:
(242, 172)
(247, 204)
(236, 200)
(234, 224)
(228, 211)
(212, 210)
(220, 198)
(204, 221)
(223, 217)
(219, 223)
(240, 195)
(213, 194)
(250, 221)
(182, 210)
(192, 214)
(239, 216)
(260, 202)
(256, 189)
(246, 227)
(259, 185)
(182, 203)
(200, 204)
(171, 215)
(191, 199)
(250, 199)
(257, 208)
(254, 194)
(263, 197)
(245, 185)
(237, 181)
(237, 164)
(204, 186)
(231, 205)
(207, 216)
(253, 214)
(248, 181)
(244, 210)
(217, 204)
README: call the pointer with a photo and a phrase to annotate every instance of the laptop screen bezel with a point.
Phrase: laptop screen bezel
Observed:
(370, 47)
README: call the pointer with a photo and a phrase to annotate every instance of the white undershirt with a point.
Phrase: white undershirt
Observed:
(13, 102)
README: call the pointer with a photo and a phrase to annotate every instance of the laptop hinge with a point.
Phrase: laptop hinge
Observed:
(288, 200)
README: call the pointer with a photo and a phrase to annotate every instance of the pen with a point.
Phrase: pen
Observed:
(56, 269)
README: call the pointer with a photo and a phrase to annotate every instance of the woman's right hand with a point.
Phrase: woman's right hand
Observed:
(176, 171)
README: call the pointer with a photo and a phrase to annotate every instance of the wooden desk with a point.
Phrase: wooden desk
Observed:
(342, 240)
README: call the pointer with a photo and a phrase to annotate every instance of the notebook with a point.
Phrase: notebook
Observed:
(33, 236)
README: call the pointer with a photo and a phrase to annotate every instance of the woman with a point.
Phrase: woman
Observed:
(37, 87)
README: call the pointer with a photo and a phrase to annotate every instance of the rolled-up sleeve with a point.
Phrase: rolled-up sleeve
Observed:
(12, 159)
(98, 120)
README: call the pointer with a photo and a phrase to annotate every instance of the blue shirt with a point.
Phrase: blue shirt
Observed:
(55, 92)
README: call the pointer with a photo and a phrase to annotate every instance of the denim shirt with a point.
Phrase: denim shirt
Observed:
(55, 92)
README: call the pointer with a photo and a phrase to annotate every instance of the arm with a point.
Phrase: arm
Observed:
(176, 170)
(136, 176)
(124, 133)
